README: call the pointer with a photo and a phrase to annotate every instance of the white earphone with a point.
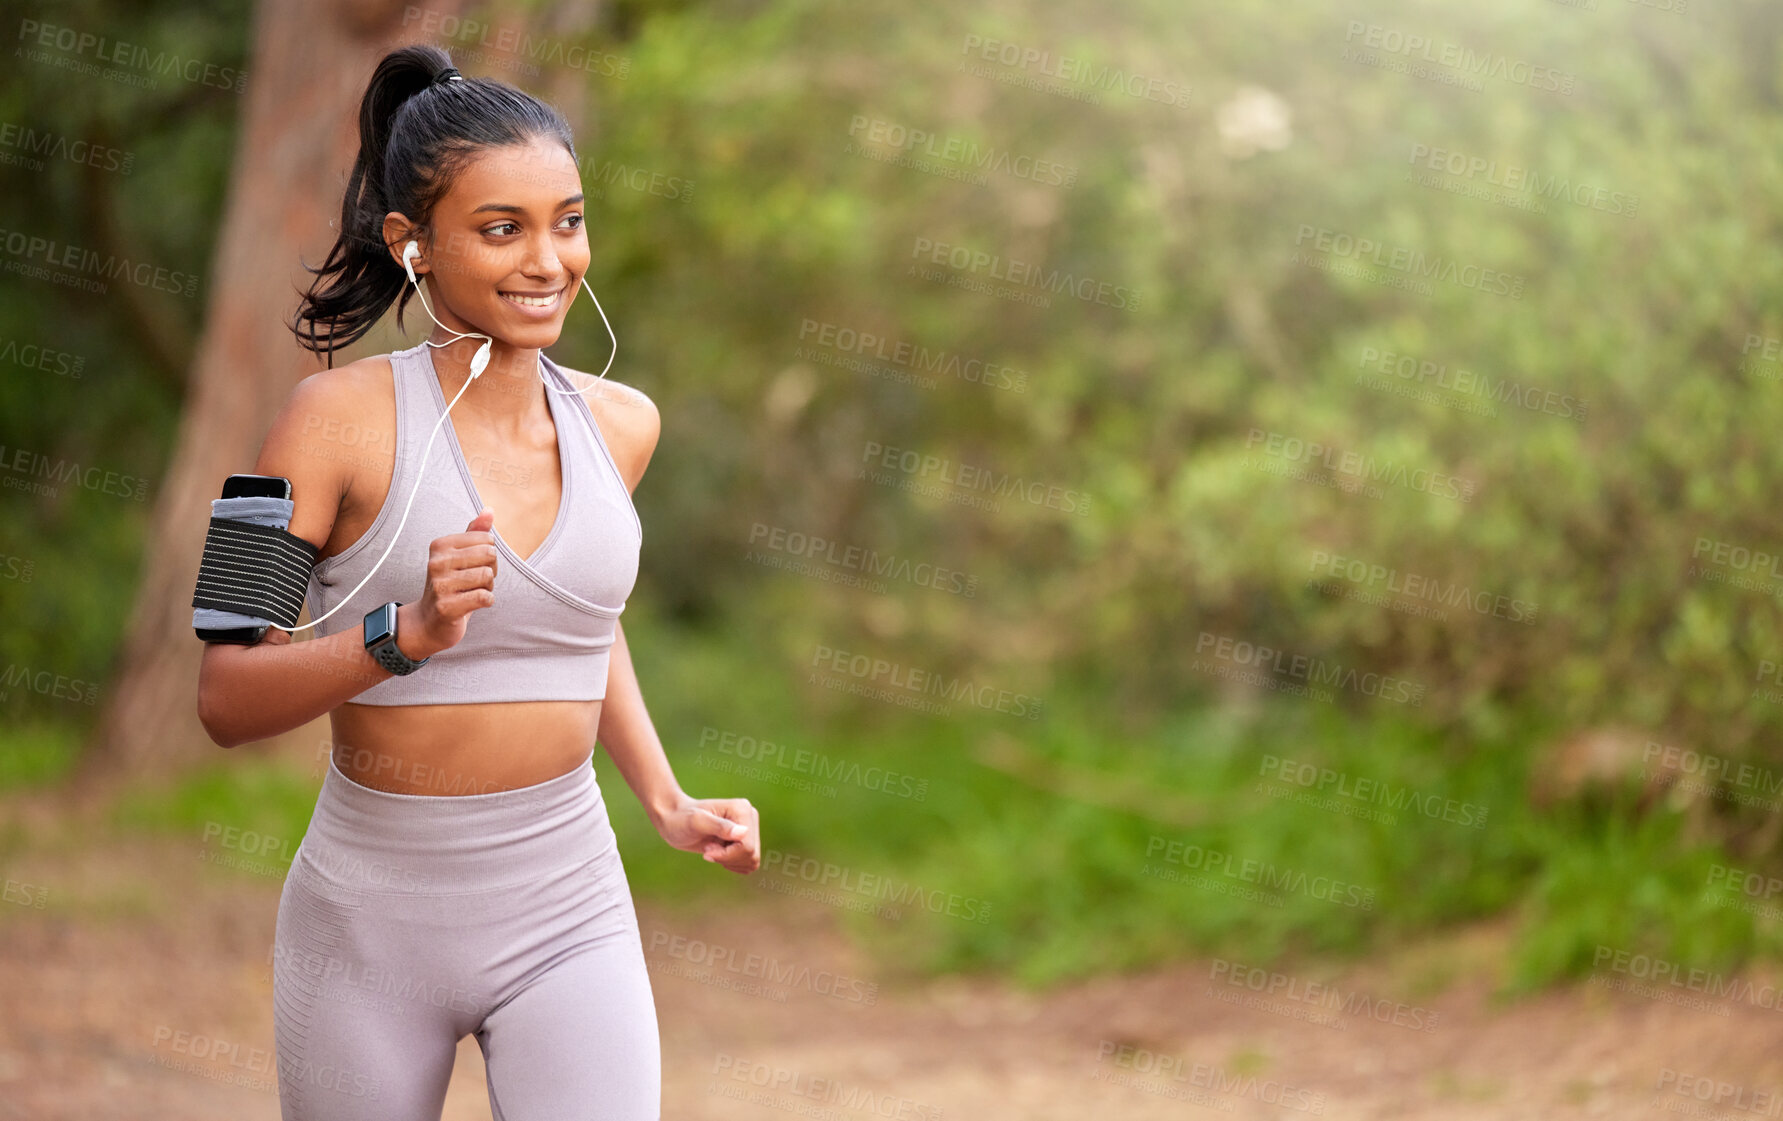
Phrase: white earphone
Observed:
(479, 362)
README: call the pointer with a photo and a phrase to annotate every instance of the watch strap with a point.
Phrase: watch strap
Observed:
(394, 660)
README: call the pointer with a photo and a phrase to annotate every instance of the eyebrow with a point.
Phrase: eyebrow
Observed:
(510, 208)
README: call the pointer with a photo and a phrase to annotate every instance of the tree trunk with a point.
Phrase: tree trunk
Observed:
(299, 135)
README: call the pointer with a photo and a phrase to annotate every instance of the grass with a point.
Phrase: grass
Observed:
(1059, 848)
(37, 752)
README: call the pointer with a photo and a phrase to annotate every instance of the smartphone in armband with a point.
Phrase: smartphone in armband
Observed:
(247, 486)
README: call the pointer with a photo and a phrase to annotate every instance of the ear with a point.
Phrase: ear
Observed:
(398, 232)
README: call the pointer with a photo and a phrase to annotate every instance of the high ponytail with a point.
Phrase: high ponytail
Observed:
(415, 132)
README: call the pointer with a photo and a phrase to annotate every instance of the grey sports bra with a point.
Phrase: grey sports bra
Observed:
(548, 634)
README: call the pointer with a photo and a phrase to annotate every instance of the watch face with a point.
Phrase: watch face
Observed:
(380, 623)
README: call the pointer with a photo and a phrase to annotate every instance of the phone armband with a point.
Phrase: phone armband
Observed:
(253, 571)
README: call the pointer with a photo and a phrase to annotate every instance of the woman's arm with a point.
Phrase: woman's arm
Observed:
(248, 693)
(630, 426)
(726, 830)
(631, 740)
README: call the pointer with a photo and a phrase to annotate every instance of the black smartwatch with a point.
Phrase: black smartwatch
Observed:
(380, 641)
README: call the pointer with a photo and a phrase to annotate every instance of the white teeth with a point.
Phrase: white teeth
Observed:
(531, 301)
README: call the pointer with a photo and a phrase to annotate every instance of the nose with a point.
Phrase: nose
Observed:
(540, 261)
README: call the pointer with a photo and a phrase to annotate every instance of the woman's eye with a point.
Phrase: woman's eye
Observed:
(501, 229)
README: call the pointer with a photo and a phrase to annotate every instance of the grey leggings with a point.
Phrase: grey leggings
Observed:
(410, 921)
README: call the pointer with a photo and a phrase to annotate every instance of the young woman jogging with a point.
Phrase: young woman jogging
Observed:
(471, 503)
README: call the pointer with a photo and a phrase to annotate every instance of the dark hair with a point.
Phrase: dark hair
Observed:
(417, 129)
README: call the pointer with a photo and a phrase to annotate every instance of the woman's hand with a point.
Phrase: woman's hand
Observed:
(726, 830)
(460, 579)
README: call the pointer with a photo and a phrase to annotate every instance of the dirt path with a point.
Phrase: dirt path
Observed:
(153, 1000)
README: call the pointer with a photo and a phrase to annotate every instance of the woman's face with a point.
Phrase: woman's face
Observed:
(506, 248)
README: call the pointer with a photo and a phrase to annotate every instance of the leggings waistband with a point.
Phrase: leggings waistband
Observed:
(378, 841)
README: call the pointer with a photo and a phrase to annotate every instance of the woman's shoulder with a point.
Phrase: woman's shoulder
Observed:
(607, 390)
(339, 392)
(334, 423)
(369, 375)
(628, 420)
(357, 391)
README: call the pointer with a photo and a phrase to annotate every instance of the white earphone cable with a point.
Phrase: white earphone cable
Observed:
(615, 352)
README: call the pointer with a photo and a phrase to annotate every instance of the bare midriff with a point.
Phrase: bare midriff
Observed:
(462, 748)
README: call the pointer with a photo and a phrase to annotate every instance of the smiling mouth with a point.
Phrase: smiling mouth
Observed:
(531, 301)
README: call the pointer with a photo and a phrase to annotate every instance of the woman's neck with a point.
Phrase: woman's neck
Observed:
(509, 389)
